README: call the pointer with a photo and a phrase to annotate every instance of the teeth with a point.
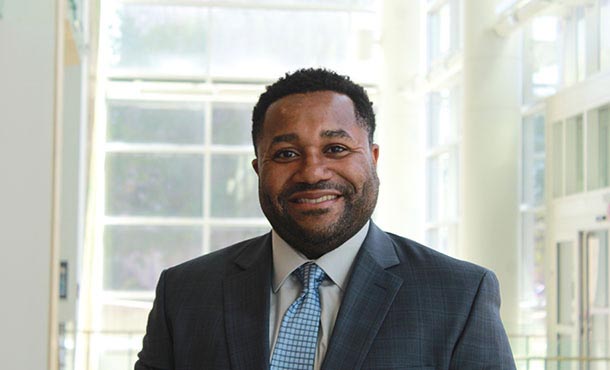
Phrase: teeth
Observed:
(317, 200)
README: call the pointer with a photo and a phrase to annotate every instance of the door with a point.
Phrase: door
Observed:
(567, 324)
(595, 308)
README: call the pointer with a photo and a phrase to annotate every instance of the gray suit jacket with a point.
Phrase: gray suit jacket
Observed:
(406, 307)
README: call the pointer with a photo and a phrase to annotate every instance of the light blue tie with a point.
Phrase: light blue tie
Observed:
(295, 347)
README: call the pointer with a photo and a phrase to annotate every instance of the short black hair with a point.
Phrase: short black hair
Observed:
(310, 80)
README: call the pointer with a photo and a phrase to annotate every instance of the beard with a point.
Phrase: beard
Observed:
(322, 237)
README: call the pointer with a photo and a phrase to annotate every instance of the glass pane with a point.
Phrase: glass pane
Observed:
(597, 250)
(599, 341)
(432, 238)
(235, 187)
(439, 34)
(598, 149)
(569, 53)
(541, 58)
(434, 108)
(433, 190)
(558, 159)
(272, 48)
(533, 160)
(134, 256)
(442, 187)
(604, 34)
(597, 329)
(444, 32)
(159, 39)
(358, 4)
(154, 184)
(532, 265)
(574, 155)
(447, 201)
(117, 359)
(581, 43)
(116, 351)
(155, 122)
(231, 124)
(565, 286)
(447, 240)
(441, 120)
(433, 38)
(224, 236)
(128, 319)
(566, 347)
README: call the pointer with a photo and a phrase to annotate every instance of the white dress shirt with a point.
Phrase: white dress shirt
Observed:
(286, 287)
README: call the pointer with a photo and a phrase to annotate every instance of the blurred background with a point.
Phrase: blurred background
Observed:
(125, 141)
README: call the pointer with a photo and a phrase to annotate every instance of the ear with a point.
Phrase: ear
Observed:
(375, 153)
(255, 165)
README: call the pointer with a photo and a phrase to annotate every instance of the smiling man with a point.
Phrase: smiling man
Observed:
(316, 168)
(326, 289)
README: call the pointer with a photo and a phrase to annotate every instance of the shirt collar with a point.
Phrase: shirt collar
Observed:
(336, 263)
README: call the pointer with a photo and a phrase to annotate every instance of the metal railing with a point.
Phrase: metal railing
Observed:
(99, 349)
(562, 362)
(117, 350)
(531, 352)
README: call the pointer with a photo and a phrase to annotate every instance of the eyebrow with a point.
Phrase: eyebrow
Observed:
(289, 138)
(284, 138)
(336, 133)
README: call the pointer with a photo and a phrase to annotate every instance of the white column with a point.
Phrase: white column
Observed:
(399, 126)
(489, 157)
(27, 96)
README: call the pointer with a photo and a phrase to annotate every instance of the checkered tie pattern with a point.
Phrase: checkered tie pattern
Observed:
(295, 347)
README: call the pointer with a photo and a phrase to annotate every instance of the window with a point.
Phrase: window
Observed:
(443, 110)
(574, 140)
(532, 224)
(598, 148)
(533, 160)
(586, 43)
(604, 35)
(191, 41)
(442, 169)
(443, 28)
(557, 158)
(177, 184)
(158, 39)
(541, 58)
(175, 179)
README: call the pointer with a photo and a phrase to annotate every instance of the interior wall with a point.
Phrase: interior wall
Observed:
(27, 72)
(400, 133)
(70, 210)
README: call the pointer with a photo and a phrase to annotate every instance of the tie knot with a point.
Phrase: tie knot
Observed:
(310, 275)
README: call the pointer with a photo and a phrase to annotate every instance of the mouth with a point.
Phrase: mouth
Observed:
(314, 199)
(318, 200)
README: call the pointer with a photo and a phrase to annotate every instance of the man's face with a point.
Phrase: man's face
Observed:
(317, 174)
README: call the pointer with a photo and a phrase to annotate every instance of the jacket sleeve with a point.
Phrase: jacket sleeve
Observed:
(483, 343)
(157, 349)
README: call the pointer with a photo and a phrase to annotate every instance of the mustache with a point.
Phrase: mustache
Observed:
(322, 185)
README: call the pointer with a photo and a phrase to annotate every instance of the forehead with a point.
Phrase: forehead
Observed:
(310, 110)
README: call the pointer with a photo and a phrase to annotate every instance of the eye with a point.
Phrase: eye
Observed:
(285, 155)
(336, 149)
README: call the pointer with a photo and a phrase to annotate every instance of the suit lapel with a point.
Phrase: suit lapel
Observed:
(246, 306)
(368, 297)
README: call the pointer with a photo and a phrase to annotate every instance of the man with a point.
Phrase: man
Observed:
(326, 288)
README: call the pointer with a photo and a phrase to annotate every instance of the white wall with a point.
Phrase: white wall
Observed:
(70, 208)
(27, 64)
(400, 133)
(489, 153)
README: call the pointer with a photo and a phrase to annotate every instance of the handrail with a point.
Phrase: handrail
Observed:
(561, 358)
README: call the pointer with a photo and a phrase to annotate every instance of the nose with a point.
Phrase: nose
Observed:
(313, 168)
